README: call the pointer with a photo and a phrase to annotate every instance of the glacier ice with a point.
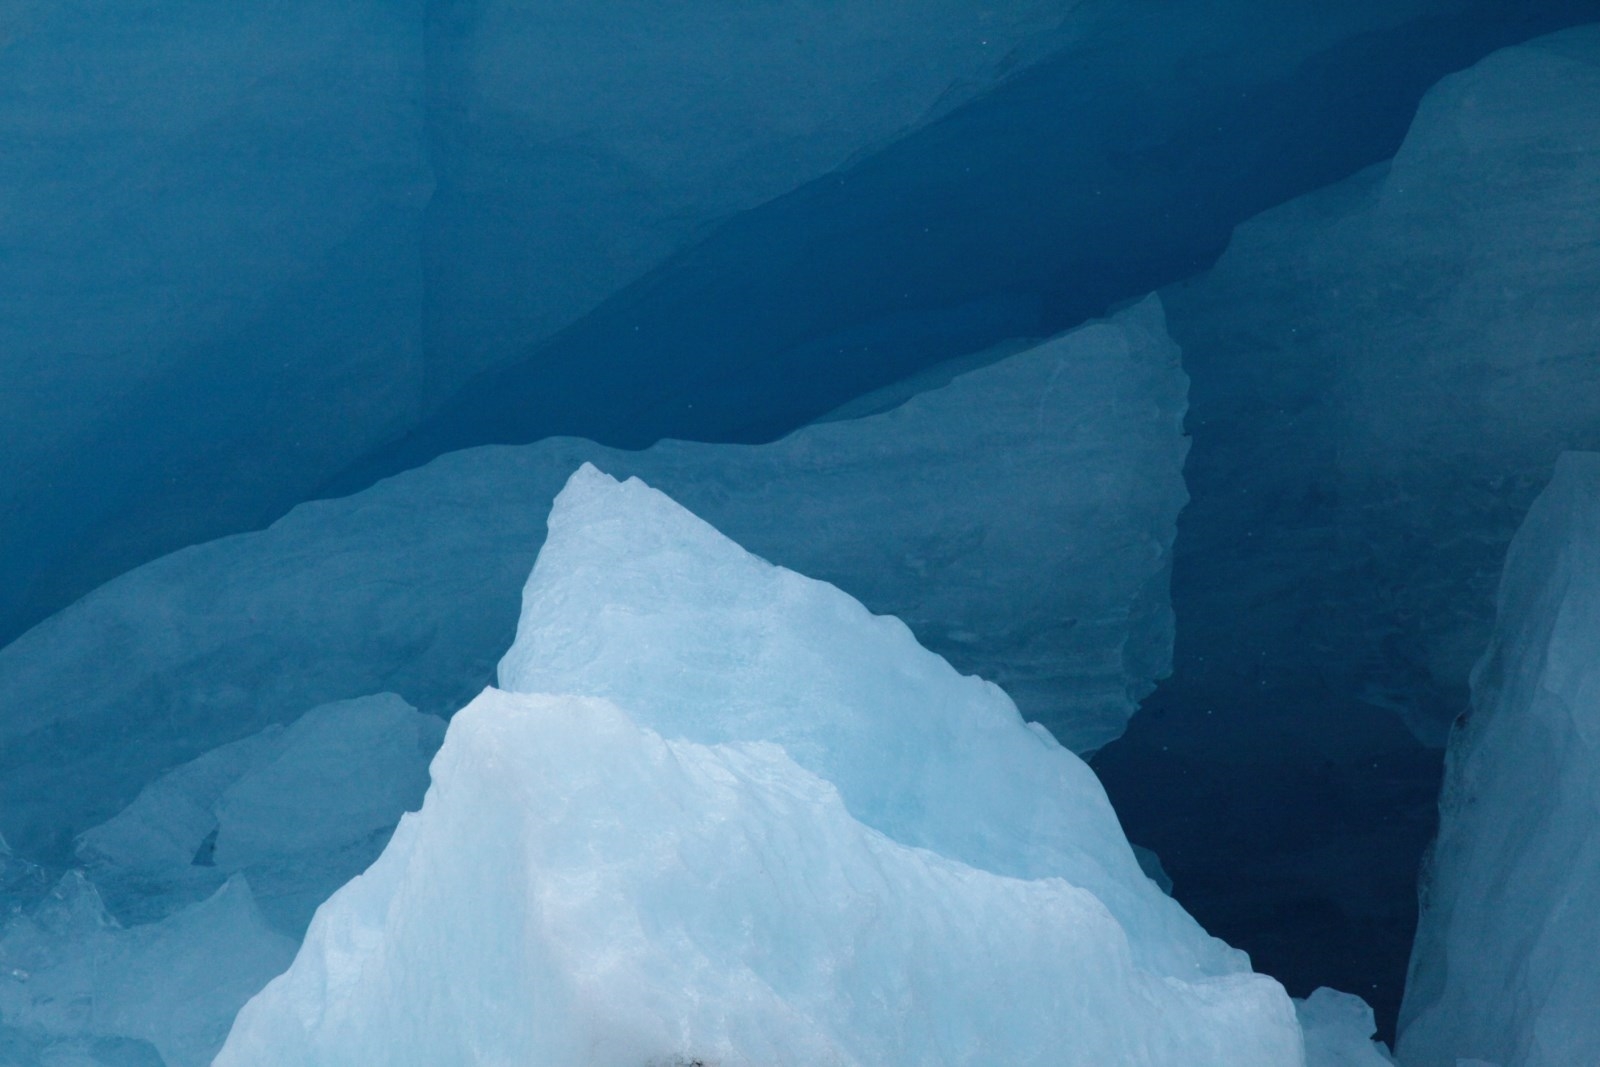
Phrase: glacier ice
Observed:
(578, 889)
(195, 895)
(227, 228)
(802, 847)
(1019, 517)
(1385, 372)
(211, 267)
(636, 600)
(70, 974)
(299, 809)
(1504, 968)
(254, 245)
(573, 169)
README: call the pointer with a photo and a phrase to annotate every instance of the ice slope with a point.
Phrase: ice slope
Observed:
(1503, 969)
(1019, 517)
(796, 851)
(1386, 371)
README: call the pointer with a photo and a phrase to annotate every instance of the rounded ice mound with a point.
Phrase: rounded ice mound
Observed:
(579, 890)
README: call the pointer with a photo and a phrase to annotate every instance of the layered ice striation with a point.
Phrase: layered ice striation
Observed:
(1386, 371)
(1017, 512)
(1503, 969)
(760, 825)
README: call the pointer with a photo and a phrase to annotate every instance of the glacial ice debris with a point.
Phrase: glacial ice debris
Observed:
(638, 601)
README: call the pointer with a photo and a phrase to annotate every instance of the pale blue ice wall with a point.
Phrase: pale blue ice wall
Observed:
(241, 248)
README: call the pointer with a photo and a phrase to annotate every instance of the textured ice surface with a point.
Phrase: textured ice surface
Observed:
(578, 890)
(299, 809)
(73, 983)
(812, 842)
(1019, 518)
(638, 601)
(1386, 371)
(1504, 965)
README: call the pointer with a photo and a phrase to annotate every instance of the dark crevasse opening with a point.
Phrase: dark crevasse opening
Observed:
(1292, 818)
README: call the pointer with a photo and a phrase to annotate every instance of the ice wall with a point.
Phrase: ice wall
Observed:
(793, 852)
(1017, 511)
(210, 280)
(244, 250)
(1383, 374)
(1503, 969)
(1386, 371)
(578, 145)
(1117, 164)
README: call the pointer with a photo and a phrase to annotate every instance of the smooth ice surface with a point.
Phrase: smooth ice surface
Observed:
(299, 809)
(578, 890)
(211, 266)
(636, 600)
(1504, 966)
(1386, 371)
(1019, 517)
(75, 983)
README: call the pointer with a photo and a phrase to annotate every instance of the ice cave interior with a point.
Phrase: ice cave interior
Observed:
(816, 532)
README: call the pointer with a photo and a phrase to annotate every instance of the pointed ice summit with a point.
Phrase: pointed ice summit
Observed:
(732, 817)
